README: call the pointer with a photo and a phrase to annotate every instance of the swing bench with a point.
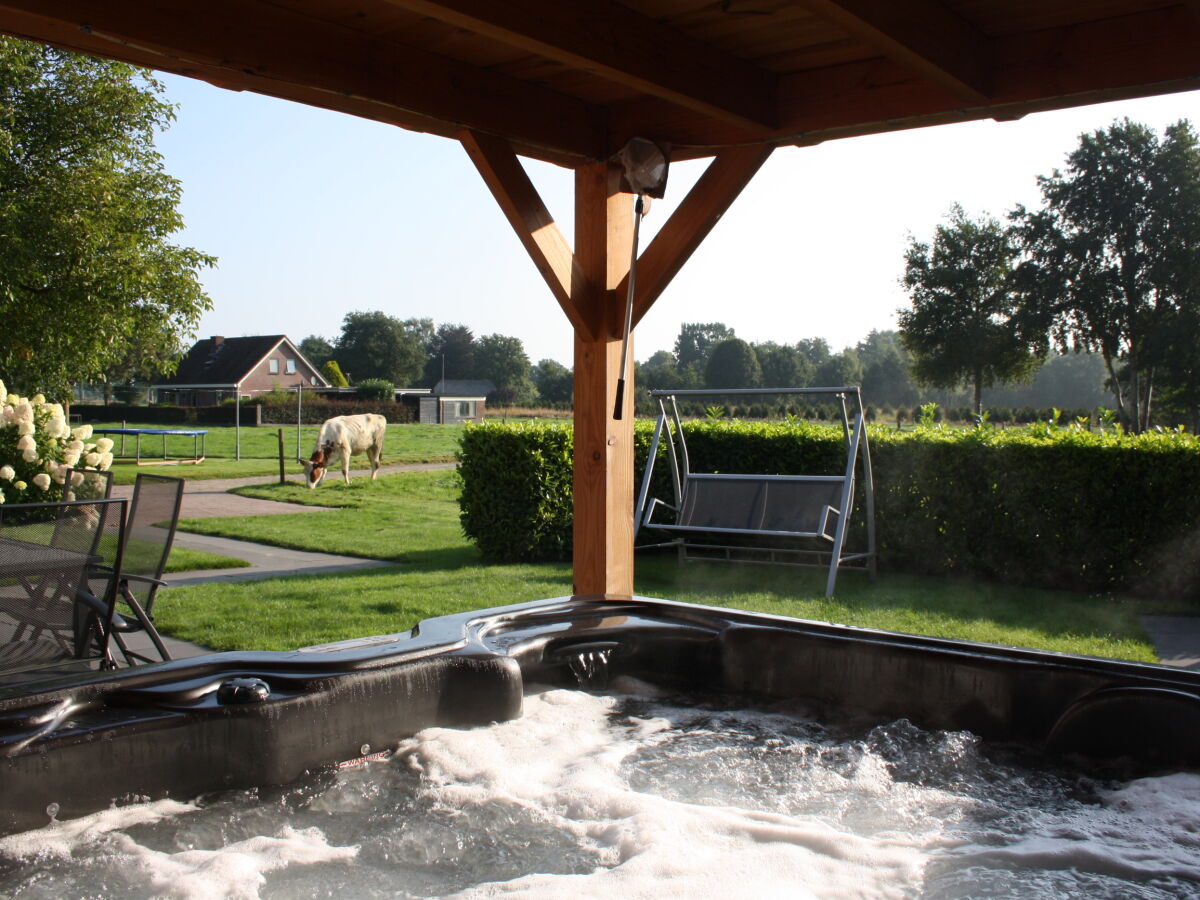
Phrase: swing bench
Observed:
(797, 520)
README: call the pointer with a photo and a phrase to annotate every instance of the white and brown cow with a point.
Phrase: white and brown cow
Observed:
(346, 436)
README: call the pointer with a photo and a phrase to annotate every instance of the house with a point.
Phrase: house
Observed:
(220, 367)
(455, 401)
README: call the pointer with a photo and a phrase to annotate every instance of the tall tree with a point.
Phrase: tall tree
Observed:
(696, 340)
(783, 366)
(964, 326)
(316, 350)
(841, 369)
(87, 215)
(376, 345)
(502, 361)
(1113, 258)
(451, 354)
(885, 365)
(732, 364)
(555, 382)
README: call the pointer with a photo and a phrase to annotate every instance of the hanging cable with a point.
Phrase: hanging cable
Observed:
(638, 211)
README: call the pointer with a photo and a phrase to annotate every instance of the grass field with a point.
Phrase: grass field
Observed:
(260, 449)
(412, 520)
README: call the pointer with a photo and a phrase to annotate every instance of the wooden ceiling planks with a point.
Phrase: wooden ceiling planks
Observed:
(566, 81)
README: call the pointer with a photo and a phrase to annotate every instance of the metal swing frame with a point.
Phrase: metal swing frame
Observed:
(774, 519)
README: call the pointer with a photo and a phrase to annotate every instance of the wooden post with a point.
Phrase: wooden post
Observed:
(603, 521)
(282, 474)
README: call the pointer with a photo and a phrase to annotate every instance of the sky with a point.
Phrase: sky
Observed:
(314, 214)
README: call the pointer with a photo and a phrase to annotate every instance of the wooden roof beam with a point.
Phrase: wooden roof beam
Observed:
(921, 35)
(268, 48)
(535, 227)
(614, 41)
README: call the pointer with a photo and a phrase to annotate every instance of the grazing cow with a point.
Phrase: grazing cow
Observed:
(346, 436)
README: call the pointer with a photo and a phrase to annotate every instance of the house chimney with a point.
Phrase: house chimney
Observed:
(218, 340)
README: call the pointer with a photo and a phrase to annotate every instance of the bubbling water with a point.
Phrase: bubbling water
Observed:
(632, 795)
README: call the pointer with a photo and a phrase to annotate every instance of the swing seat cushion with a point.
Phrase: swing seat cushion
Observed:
(780, 505)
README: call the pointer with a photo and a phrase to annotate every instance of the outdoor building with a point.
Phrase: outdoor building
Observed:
(217, 367)
(454, 401)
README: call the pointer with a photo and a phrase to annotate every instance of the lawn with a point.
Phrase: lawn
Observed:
(412, 519)
(260, 449)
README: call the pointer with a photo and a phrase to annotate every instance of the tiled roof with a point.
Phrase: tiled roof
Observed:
(214, 361)
(465, 387)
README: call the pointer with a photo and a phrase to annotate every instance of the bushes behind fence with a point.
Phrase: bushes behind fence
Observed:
(1047, 507)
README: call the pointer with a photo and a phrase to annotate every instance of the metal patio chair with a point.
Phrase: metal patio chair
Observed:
(48, 617)
(149, 536)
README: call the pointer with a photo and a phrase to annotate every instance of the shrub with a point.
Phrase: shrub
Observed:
(333, 374)
(376, 389)
(1047, 507)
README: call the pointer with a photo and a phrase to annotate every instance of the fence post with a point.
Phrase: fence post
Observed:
(282, 476)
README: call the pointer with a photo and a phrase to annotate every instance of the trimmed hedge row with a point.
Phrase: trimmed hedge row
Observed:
(1046, 507)
(315, 412)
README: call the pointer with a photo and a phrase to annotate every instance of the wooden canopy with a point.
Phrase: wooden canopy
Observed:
(570, 81)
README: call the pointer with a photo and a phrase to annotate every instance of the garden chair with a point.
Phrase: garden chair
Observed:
(48, 617)
(93, 485)
(149, 535)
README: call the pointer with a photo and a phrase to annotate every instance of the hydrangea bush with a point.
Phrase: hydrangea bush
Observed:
(37, 446)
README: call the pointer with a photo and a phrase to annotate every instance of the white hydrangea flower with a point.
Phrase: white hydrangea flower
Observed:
(76, 446)
(57, 427)
(41, 481)
(106, 459)
(92, 459)
(1, 496)
(76, 479)
(82, 432)
(70, 458)
(104, 444)
(24, 411)
(10, 415)
(38, 399)
(3, 393)
(7, 472)
(20, 485)
(25, 427)
(60, 474)
(25, 442)
(29, 455)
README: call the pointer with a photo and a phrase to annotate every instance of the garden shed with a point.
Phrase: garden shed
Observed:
(572, 82)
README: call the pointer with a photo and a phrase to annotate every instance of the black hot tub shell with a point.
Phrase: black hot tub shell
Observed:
(240, 720)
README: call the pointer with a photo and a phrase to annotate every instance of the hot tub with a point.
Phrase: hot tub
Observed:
(246, 720)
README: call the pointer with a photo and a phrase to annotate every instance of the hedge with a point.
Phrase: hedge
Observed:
(1041, 506)
(314, 412)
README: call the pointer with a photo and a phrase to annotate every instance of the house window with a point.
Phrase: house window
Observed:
(464, 409)
(273, 366)
(291, 367)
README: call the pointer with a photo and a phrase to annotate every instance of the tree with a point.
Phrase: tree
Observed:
(964, 327)
(501, 360)
(695, 342)
(1114, 257)
(783, 366)
(555, 382)
(732, 364)
(375, 345)
(815, 350)
(87, 214)
(333, 374)
(316, 350)
(840, 370)
(885, 365)
(451, 354)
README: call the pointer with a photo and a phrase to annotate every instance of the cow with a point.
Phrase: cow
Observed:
(346, 436)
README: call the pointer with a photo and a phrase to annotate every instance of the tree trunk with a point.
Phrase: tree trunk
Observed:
(1118, 393)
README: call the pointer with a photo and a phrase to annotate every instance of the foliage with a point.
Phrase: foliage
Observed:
(555, 382)
(501, 360)
(37, 447)
(451, 354)
(783, 366)
(87, 213)
(1028, 506)
(1114, 257)
(732, 364)
(696, 341)
(963, 326)
(316, 350)
(516, 497)
(376, 389)
(376, 345)
(333, 374)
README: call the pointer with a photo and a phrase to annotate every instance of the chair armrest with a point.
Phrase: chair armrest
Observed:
(144, 578)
